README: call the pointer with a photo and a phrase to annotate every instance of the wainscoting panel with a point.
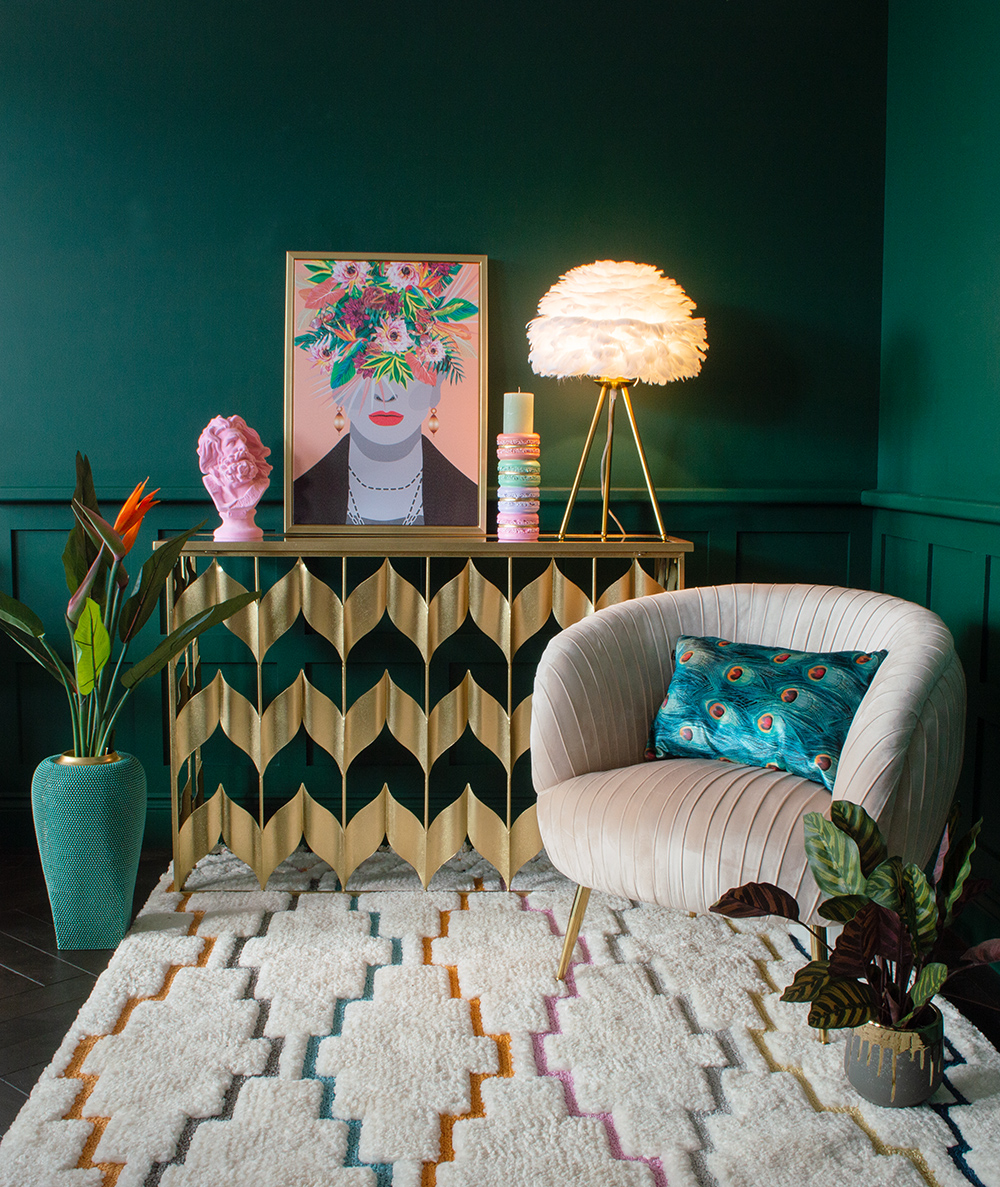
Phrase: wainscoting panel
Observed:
(951, 565)
(905, 568)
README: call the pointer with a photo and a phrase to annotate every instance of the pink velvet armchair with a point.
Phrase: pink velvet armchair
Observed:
(678, 832)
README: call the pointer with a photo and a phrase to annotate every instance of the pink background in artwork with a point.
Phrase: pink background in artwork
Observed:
(314, 405)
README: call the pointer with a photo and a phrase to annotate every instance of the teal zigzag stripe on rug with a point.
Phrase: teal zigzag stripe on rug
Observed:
(382, 1170)
(961, 1147)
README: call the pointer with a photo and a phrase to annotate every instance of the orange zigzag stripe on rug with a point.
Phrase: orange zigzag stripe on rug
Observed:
(428, 1177)
(111, 1170)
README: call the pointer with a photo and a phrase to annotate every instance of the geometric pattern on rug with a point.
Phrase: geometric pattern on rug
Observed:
(383, 1035)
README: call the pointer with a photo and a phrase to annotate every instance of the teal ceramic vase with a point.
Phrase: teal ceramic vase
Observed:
(89, 819)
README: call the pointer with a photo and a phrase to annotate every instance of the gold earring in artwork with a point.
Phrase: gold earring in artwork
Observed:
(338, 420)
(433, 423)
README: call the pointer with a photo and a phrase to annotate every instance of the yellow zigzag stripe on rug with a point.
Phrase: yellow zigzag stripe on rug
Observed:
(918, 1160)
(111, 1170)
(428, 1176)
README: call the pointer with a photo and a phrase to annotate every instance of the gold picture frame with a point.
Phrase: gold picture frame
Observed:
(385, 395)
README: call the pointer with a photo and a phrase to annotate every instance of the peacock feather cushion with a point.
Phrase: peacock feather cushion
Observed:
(764, 706)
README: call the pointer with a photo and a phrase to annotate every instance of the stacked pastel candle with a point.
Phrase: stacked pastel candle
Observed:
(518, 469)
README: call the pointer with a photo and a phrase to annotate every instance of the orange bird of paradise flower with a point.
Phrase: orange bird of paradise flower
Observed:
(132, 513)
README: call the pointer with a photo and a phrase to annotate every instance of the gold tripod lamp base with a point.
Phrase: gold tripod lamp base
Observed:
(610, 390)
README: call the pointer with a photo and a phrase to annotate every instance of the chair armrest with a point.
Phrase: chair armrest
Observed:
(597, 688)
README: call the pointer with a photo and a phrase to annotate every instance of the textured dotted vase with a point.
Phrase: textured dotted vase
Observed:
(897, 1068)
(89, 819)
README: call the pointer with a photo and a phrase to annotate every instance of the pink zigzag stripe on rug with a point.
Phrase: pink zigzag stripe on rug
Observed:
(566, 1077)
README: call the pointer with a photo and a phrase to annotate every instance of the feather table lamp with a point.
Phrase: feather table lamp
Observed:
(616, 323)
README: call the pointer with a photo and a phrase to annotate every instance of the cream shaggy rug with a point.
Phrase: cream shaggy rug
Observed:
(302, 1037)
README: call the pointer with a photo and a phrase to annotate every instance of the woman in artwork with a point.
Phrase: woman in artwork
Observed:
(389, 335)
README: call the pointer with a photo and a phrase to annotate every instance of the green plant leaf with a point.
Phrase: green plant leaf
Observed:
(922, 912)
(842, 908)
(31, 644)
(175, 642)
(856, 944)
(885, 884)
(931, 978)
(855, 821)
(17, 614)
(841, 1003)
(754, 899)
(80, 552)
(99, 530)
(137, 610)
(957, 867)
(833, 857)
(807, 982)
(92, 647)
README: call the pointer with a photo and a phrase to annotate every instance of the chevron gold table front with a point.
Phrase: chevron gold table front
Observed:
(357, 667)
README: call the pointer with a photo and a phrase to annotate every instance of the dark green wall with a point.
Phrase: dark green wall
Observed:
(940, 416)
(936, 525)
(160, 159)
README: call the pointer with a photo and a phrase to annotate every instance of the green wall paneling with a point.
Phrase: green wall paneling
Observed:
(953, 566)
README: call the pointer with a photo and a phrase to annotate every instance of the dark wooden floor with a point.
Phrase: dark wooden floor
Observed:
(42, 989)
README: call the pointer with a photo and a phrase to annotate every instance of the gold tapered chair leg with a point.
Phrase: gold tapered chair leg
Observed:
(573, 929)
(819, 951)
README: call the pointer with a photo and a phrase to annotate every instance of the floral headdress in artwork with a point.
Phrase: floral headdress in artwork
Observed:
(379, 319)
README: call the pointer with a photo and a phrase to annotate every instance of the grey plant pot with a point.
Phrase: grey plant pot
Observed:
(897, 1068)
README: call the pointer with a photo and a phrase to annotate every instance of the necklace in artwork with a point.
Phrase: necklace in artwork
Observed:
(368, 486)
(354, 516)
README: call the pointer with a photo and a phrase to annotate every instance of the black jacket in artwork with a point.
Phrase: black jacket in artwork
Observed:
(320, 494)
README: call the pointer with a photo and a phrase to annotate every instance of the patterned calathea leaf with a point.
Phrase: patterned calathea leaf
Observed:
(841, 1003)
(833, 856)
(842, 908)
(931, 978)
(855, 821)
(808, 981)
(988, 952)
(893, 938)
(945, 843)
(755, 899)
(856, 945)
(885, 884)
(957, 867)
(921, 912)
(970, 888)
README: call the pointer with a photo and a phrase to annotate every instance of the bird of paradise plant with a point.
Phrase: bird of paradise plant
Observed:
(103, 618)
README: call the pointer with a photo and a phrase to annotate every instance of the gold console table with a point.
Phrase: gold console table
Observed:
(375, 694)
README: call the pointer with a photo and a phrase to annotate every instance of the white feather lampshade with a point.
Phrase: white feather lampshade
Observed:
(617, 320)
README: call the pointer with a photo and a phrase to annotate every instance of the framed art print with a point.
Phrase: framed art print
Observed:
(385, 394)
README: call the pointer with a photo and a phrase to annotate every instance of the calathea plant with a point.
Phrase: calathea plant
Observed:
(891, 956)
(103, 616)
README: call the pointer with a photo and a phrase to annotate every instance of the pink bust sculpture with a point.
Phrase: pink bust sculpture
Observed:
(231, 459)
